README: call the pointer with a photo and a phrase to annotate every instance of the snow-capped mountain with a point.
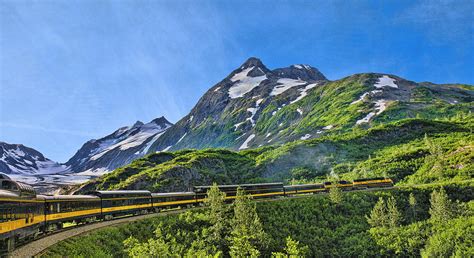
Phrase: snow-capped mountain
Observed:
(121, 147)
(16, 159)
(94, 158)
(255, 106)
(227, 114)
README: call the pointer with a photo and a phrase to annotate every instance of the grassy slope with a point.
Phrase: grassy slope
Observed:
(398, 150)
(328, 229)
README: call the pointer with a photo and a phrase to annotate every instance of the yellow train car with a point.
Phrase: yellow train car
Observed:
(70, 208)
(374, 182)
(123, 202)
(21, 213)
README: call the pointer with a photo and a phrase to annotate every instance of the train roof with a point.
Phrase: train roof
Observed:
(22, 189)
(70, 197)
(171, 194)
(302, 185)
(8, 194)
(121, 192)
(241, 185)
(368, 179)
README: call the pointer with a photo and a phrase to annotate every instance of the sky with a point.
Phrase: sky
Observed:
(71, 71)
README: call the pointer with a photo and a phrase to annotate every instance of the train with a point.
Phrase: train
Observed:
(25, 215)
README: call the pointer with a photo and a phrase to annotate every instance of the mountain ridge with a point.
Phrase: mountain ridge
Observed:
(255, 106)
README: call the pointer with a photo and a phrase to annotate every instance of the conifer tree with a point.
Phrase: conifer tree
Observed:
(247, 231)
(215, 200)
(293, 249)
(441, 207)
(378, 215)
(412, 202)
(335, 194)
(393, 213)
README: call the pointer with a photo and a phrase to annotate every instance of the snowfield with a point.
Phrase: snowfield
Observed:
(244, 83)
(385, 81)
(285, 84)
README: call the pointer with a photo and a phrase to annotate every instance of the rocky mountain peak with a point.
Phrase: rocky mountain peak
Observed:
(137, 124)
(161, 121)
(252, 61)
(300, 72)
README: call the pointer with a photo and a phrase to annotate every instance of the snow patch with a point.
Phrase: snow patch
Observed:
(304, 92)
(305, 137)
(167, 148)
(299, 111)
(182, 137)
(244, 83)
(190, 119)
(285, 84)
(238, 124)
(246, 142)
(328, 127)
(386, 81)
(268, 135)
(380, 106)
(217, 89)
(362, 98)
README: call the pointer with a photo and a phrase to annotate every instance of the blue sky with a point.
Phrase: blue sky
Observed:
(71, 71)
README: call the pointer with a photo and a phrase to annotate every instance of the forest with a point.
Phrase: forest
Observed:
(405, 221)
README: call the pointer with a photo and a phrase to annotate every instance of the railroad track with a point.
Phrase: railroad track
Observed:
(39, 245)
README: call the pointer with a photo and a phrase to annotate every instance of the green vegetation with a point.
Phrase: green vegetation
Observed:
(447, 233)
(410, 151)
(311, 226)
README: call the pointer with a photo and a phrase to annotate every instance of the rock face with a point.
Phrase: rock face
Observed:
(16, 159)
(117, 149)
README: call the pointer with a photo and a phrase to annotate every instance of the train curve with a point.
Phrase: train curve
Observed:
(38, 246)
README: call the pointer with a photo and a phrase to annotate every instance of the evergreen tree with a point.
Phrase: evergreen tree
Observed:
(217, 216)
(335, 194)
(378, 215)
(247, 231)
(393, 214)
(441, 207)
(293, 249)
(412, 202)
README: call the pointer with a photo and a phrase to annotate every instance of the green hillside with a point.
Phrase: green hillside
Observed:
(410, 151)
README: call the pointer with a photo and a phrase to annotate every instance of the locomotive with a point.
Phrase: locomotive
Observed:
(24, 215)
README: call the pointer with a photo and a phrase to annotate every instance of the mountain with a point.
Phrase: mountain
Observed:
(254, 106)
(410, 151)
(96, 157)
(228, 114)
(93, 159)
(17, 159)
(294, 123)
